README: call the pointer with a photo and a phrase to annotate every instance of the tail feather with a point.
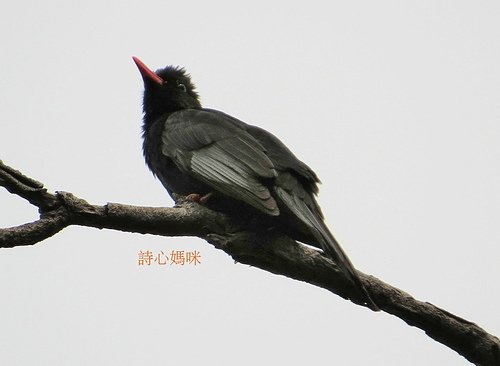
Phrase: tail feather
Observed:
(331, 246)
(328, 242)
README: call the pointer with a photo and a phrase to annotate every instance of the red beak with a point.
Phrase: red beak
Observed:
(146, 72)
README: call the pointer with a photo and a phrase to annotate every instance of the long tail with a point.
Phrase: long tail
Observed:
(331, 246)
(328, 242)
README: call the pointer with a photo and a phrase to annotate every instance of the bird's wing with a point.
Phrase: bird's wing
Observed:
(294, 175)
(211, 148)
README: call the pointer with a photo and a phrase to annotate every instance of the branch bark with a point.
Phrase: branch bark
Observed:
(268, 251)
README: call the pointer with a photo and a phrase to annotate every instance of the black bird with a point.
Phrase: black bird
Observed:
(231, 166)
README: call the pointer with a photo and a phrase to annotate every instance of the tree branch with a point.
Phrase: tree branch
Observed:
(268, 251)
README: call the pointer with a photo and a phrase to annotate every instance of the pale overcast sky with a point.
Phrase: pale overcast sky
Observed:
(393, 103)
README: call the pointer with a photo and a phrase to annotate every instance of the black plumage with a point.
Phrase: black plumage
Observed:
(248, 172)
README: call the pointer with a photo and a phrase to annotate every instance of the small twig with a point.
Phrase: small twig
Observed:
(29, 189)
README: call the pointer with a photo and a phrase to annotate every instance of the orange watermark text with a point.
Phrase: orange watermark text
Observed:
(175, 257)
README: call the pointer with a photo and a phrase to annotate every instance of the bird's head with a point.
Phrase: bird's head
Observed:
(166, 90)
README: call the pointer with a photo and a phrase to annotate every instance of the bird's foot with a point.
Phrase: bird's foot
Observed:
(198, 198)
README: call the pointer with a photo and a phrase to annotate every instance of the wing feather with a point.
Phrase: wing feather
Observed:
(213, 149)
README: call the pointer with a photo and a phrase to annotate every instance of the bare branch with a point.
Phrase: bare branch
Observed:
(29, 189)
(268, 251)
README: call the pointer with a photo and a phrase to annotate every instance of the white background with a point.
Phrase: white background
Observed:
(393, 103)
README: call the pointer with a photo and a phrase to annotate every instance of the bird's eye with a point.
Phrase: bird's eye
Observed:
(182, 87)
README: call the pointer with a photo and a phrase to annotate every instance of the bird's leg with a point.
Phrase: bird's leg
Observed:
(198, 198)
(193, 197)
(205, 198)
